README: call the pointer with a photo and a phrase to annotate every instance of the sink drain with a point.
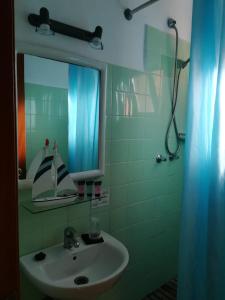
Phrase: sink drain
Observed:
(81, 280)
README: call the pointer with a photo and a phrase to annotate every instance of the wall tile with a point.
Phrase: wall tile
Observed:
(109, 77)
(106, 178)
(108, 122)
(121, 103)
(183, 50)
(119, 151)
(118, 218)
(154, 92)
(109, 90)
(167, 65)
(108, 102)
(80, 224)
(136, 171)
(107, 151)
(120, 128)
(119, 174)
(120, 79)
(138, 105)
(118, 196)
(128, 104)
(151, 148)
(30, 232)
(123, 235)
(27, 105)
(137, 213)
(136, 150)
(152, 61)
(137, 192)
(135, 128)
(138, 82)
(169, 46)
(154, 38)
(78, 211)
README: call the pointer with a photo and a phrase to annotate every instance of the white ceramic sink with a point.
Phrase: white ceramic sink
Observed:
(58, 274)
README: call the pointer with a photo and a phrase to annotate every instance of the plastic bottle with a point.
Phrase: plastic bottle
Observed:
(81, 185)
(89, 190)
(98, 189)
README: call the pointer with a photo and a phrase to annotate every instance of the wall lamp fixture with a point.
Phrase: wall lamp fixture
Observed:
(47, 26)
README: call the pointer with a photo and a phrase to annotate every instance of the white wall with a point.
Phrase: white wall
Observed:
(123, 40)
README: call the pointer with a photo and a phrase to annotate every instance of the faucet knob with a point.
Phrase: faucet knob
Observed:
(173, 157)
(69, 232)
(159, 158)
(69, 238)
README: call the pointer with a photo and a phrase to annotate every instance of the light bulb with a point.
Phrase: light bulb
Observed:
(45, 29)
(96, 43)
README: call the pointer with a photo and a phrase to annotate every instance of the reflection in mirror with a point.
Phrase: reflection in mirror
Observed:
(59, 101)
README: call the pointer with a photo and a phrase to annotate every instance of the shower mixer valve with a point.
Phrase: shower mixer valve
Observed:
(159, 158)
(173, 157)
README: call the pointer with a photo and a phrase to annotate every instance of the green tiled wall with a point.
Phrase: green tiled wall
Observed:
(46, 110)
(144, 209)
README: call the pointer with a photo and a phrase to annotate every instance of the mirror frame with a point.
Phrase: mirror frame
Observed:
(71, 57)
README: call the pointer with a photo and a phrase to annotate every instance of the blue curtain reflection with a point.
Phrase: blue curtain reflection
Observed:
(83, 116)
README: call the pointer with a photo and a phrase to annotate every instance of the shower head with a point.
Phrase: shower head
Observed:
(185, 63)
(171, 23)
(181, 64)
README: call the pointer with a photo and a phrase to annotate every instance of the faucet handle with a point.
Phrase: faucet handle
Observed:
(173, 157)
(159, 158)
(69, 238)
(69, 231)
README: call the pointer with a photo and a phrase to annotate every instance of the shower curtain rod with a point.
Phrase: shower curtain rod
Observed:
(128, 13)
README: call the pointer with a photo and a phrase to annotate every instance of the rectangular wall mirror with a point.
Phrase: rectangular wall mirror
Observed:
(61, 98)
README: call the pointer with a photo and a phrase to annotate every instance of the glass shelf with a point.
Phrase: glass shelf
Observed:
(35, 209)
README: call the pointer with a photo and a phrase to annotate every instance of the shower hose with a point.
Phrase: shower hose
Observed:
(172, 121)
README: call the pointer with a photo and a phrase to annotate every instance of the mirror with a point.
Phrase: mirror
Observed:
(62, 101)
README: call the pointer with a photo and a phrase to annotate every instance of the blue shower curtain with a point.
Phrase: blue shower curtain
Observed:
(202, 245)
(83, 115)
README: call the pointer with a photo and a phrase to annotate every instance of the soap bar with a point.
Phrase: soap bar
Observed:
(85, 237)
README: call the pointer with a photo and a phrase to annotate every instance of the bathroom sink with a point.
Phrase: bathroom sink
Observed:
(77, 273)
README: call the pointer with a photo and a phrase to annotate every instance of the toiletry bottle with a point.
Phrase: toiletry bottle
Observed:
(81, 185)
(46, 147)
(89, 190)
(98, 189)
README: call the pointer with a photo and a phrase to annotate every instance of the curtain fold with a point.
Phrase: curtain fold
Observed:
(202, 243)
(83, 115)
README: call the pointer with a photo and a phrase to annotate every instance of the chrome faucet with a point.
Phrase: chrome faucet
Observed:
(70, 239)
(159, 158)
